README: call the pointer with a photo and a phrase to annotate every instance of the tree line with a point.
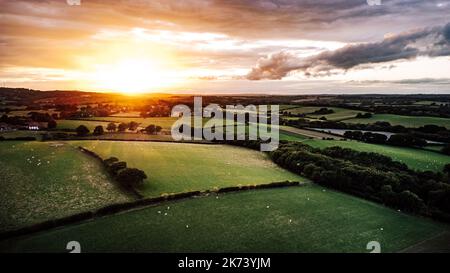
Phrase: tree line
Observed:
(151, 129)
(369, 175)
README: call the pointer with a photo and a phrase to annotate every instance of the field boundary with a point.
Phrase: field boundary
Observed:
(140, 203)
(102, 162)
(204, 142)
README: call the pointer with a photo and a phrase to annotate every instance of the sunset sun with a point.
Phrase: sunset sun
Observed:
(133, 76)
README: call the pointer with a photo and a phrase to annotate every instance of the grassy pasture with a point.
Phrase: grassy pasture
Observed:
(73, 124)
(178, 167)
(127, 114)
(19, 133)
(415, 158)
(339, 113)
(300, 219)
(24, 113)
(165, 122)
(40, 181)
(407, 121)
(303, 109)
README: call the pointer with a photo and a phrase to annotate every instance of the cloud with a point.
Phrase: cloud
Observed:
(432, 42)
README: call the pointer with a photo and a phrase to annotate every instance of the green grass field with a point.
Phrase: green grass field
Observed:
(295, 219)
(302, 109)
(339, 113)
(14, 134)
(165, 122)
(415, 158)
(40, 181)
(407, 121)
(73, 124)
(23, 113)
(127, 114)
(179, 167)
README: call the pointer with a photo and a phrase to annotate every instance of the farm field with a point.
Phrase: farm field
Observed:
(302, 109)
(283, 134)
(127, 114)
(436, 148)
(339, 113)
(415, 158)
(165, 122)
(407, 121)
(294, 219)
(303, 133)
(40, 181)
(23, 113)
(73, 124)
(180, 167)
(19, 133)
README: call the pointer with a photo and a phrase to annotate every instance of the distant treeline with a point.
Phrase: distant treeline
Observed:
(429, 132)
(398, 105)
(405, 140)
(369, 175)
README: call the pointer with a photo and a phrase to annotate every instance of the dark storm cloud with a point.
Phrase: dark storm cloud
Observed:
(431, 42)
(310, 19)
(52, 34)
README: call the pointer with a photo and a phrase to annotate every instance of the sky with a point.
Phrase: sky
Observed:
(224, 47)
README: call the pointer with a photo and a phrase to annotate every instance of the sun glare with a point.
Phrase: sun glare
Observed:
(133, 76)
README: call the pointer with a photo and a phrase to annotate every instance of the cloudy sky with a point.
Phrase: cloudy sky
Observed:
(233, 46)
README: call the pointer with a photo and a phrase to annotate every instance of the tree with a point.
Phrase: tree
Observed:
(4, 118)
(51, 124)
(116, 167)
(108, 162)
(132, 126)
(410, 201)
(374, 138)
(447, 169)
(98, 131)
(131, 177)
(122, 127)
(82, 130)
(446, 149)
(111, 127)
(406, 140)
(151, 129)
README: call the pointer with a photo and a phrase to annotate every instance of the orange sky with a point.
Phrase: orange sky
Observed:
(226, 46)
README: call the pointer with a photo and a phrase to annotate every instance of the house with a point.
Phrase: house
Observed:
(33, 126)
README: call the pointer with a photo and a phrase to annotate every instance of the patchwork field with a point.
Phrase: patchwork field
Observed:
(178, 167)
(339, 113)
(295, 219)
(407, 121)
(73, 124)
(301, 134)
(23, 113)
(415, 158)
(41, 181)
(14, 134)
